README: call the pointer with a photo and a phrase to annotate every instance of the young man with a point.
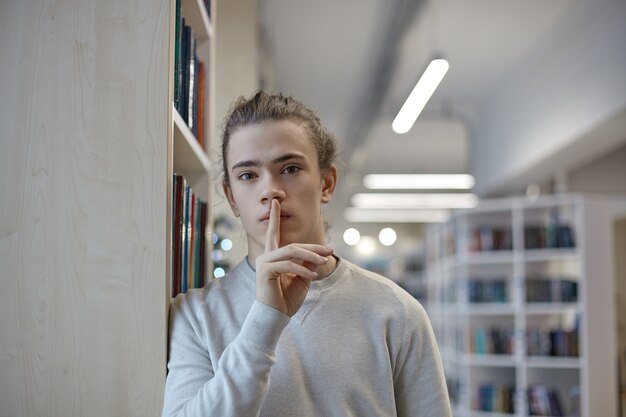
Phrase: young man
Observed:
(294, 329)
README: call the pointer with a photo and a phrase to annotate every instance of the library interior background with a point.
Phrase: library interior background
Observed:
(500, 205)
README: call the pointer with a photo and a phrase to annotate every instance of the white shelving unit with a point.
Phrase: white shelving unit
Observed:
(190, 158)
(492, 267)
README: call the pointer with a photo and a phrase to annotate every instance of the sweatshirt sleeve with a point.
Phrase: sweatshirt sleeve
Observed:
(419, 380)
(238, 383)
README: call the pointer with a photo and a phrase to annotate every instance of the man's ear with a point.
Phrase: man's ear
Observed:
(231, 200)
(329, 182)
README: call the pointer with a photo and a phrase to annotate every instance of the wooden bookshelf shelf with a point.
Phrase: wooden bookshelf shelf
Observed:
(553, 362)
(487, 309)
(548, 255)
(475, 359)
(197, 17)
(190, 160)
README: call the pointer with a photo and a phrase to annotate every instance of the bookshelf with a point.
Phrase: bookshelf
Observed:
(519, 293)
(90, 144)
(193, 46)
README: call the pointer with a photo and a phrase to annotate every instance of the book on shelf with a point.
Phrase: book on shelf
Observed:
(177, 232)
(549, 237)
(487, 291)
(495, 398)
(491, 238)
(493, 341)
(189, 77)
(546, 290)
(544, 401)
(552, 342)
(200, 103)
(188, 238)
(177, 56)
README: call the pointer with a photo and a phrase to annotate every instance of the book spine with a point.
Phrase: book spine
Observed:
(177, 61)
(183, 278)
(197, 244)
(203, 247)
(192, 218)
(191, 81)
(200, 104)
(184, 89)
(177, 234)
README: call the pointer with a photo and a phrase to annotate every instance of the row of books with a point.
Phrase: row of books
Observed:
(189, 77)
(492, 291)
(545, 290)
(490, 238)
(189, 243)
(494, 341)
(552, 235)
(495, 398)
(544, 401)
(549, 237)
(553, 342)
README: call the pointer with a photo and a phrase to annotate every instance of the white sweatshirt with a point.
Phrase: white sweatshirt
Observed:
(358, 346)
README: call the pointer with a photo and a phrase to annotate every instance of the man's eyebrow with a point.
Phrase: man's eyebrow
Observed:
(256, 162)
(248, 163)
(287, 157)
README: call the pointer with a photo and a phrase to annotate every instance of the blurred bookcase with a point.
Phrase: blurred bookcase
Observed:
(520, 293)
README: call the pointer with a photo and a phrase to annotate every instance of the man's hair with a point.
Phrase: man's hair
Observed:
(264, 106)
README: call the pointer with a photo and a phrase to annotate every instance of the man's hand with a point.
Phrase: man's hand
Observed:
(283, 275)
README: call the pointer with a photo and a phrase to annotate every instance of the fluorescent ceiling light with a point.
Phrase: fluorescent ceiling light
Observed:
(364, 215)
(420, 95)
(383, 201)
(418, 181)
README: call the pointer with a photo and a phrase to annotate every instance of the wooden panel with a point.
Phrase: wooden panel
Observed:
(84, 185)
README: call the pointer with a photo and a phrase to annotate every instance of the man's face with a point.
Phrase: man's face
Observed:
(277, 160)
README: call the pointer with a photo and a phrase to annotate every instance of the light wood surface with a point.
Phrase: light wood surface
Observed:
(85, 128)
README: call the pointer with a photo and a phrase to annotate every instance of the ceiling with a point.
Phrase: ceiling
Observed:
(355, 62)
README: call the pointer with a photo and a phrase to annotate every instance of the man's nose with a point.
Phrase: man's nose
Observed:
(271, 189)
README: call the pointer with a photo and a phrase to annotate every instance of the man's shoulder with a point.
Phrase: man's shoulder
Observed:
(236, 283)
(374, 281)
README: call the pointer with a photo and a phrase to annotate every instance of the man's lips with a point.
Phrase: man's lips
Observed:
(265, 217)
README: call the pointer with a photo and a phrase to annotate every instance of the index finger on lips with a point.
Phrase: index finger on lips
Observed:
(272, 235)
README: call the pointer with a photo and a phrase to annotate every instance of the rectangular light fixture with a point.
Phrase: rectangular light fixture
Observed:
(414, 201)
(418, 181)
(420, 95)
(364, 215)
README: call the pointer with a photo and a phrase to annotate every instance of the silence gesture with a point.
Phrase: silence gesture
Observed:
(283, 275)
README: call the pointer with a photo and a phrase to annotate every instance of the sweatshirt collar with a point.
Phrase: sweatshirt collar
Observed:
(320, 285)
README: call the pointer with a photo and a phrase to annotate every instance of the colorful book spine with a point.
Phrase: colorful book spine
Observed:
(495, 398)
(191, 240)
(177, 233)
(544, 401)
(189, 222)
(185, 241)
(200, 104)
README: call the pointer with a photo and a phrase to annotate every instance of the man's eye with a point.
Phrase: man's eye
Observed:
(291, 169)
(245, 176)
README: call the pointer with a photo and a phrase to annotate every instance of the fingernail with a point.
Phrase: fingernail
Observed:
(322, 258)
